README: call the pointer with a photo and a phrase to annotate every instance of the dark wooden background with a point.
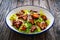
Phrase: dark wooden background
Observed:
(51, 34)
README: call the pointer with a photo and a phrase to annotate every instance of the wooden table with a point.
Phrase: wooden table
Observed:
(51, 34)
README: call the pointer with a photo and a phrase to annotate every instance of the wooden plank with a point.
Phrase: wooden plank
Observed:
(55, 29)
(0, 1)
(56, 14)
(20, 3)
(36, 2)
(43, 3)
(3, 33)
(5, 6)
(27, 2)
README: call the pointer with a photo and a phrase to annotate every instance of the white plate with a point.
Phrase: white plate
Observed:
(46, 12)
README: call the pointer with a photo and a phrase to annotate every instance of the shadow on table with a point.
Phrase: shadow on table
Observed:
(16, 36)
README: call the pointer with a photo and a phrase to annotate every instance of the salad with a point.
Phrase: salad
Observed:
(29, 21)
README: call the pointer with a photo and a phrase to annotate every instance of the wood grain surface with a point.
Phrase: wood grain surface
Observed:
(8, 5)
